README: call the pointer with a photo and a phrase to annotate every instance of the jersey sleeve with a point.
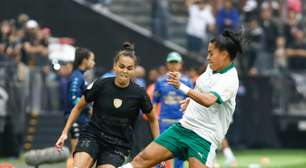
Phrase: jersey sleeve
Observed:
(91, 91)
(156, 93)
(75, 89)
(146, 105)
(224, 89)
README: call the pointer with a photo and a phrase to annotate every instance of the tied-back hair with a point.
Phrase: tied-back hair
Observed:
(127, 50)
(232, 42)
(80, 55)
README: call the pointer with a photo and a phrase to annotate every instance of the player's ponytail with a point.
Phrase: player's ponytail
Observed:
(233, 43)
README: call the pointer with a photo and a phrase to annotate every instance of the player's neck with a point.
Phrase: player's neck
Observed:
(121, 85)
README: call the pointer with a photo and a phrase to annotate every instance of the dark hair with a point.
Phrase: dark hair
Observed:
(80, 55)
(233, 43)
(128, 51)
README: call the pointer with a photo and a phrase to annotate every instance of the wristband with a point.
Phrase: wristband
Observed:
(185, 89)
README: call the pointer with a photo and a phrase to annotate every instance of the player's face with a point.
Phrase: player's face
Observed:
(91, 61)
(124, 69)
(215, 58)
(174, 66)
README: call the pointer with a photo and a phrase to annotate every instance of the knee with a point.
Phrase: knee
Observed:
(142, 158)
(139, 158)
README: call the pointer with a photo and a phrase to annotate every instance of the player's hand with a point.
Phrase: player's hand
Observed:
(60, 142)
(184, 103)
(174, 79)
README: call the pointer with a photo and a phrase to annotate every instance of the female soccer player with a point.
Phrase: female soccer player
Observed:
(107, 139)
(84, 60)
(208, 110)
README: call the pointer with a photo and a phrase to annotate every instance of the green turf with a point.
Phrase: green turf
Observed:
(264, 158)
(270, 158)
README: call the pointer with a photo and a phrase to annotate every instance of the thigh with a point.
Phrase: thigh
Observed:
(106, 166)
(82, 160)
(152, 155)
(89, 145)
(110, 157)
(73, 143)
(195, 163)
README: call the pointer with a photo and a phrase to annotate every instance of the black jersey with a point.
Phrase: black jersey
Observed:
(116, 109)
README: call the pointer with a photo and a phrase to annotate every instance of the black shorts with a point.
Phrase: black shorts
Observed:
(75, 130)
(102, 152)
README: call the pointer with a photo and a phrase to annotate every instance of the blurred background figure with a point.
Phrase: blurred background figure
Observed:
(227, 17)
(200, 22)
(140, 73)
(84, 60)
(160, 19)
(169, 97)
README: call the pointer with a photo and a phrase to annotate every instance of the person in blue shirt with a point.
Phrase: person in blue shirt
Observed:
(227, 17)
(108, 74)
(84, 60)
(169, 97)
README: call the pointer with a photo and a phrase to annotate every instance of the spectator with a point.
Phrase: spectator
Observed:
(292, 25)
(270, 31)
(169, 98)
(160, 18)
(280, 53)
(200, 18)
(140, 73)
(227, 17)
(34, 53)
(297, 52)
(255, 36)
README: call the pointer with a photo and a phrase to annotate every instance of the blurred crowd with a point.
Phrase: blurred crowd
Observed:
(275, 29)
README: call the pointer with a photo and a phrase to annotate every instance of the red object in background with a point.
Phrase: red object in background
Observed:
(150, 92)
(6, 165)
(295, 5)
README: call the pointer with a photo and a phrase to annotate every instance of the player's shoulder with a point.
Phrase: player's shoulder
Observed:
(103, 81)
(76, 74)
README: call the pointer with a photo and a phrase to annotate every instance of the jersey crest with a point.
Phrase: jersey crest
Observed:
(117, 103)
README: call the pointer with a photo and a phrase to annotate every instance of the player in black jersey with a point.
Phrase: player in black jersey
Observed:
(107, 139)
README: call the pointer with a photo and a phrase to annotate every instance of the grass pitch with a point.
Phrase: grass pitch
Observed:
(245, 158)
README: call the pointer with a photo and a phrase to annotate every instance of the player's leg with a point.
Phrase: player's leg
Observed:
(73, 143)
(86, 151)
(74, 134)
(165, 147)
(150, 156)
(200, 152)
(195, 163)
(173, 163)
(111, 157)
(230, 159)
(163, 126)
(82, 160)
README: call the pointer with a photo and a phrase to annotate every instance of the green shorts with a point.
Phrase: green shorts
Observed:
(184, 144)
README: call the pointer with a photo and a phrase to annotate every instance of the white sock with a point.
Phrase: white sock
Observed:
(228, 154)
(128, 165)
